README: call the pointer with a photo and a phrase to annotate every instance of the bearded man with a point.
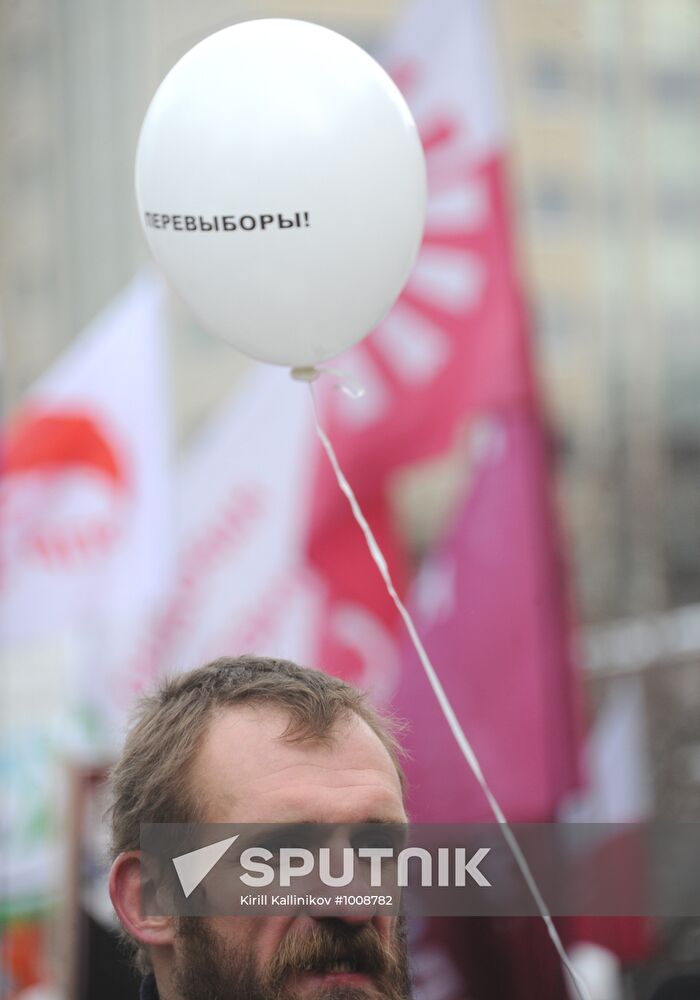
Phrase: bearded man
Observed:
(255, 740)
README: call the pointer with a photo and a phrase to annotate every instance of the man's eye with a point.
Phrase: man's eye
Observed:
(227, 862)
(377, 839)
(262, 858)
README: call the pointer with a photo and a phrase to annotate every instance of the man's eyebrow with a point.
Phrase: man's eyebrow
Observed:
(382, 822)
(379, 820)
(359, 822)
(279, 831)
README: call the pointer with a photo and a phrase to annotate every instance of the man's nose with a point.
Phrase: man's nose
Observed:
(348, 911)
(354, 903)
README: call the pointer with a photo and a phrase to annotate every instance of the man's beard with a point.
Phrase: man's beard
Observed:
(208, 968)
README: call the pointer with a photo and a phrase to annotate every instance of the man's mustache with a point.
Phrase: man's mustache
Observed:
(326, 946)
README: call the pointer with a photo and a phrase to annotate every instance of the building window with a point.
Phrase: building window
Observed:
(612, 203)
(682, 515)
(558, 322)
(553, 200)
(678, 208)
(549, 75)
(607, 79)
(677, 87)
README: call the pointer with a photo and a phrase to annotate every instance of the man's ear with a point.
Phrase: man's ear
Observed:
(125, 890)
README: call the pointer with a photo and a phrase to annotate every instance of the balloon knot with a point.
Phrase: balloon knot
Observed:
(305, 373)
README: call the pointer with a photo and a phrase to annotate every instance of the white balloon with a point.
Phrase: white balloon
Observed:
(281, 186)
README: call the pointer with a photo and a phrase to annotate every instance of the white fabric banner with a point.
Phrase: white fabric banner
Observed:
(240, 583)
(84, 491)
(85, 534)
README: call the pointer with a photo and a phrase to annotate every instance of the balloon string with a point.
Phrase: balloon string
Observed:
(348, 385)
(447, 710)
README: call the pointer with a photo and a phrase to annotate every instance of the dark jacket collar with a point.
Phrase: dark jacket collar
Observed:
(149, 990)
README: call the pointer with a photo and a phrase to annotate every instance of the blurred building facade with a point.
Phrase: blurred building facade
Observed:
(605, 98)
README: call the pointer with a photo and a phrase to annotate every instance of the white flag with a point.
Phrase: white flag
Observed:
(84, 485)
(240, 581)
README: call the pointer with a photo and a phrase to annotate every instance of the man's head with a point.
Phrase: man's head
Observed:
(251, 740)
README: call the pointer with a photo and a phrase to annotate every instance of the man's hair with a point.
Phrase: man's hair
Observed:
(150, 782)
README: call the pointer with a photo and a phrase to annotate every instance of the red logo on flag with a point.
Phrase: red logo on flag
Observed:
(64, 489)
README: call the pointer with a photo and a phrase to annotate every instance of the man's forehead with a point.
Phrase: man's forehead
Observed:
(245, 762)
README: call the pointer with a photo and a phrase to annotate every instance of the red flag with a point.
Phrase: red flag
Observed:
(490, 608)
(451, 360)
(452, 347)
(453, 350)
